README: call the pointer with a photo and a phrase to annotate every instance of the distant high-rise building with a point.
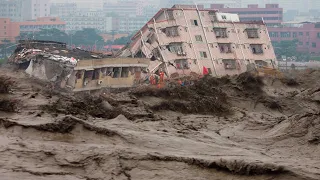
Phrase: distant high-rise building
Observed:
(63, 9)
(33, 9)
(11, 9)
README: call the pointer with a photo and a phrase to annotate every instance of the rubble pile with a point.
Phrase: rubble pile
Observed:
(5, 84)
(204, 96)
(82, 106)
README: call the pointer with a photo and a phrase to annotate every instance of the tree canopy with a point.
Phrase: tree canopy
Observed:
(289, 49)
(87, 37)
(82, 37)
(47, 35)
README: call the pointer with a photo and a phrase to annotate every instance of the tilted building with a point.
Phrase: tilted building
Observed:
(185, 40)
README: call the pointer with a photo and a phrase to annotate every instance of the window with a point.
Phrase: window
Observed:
(314, 44)
(229, 63)
(199, 38)
(274, 34)
(116, 72)
(182, 64)
(170, 15)
(194, 22)
(261, 63)
(256, 48)
(172, 31)
(307, 33)
(220, 32)
(318, 35)
(125, 72)
(225, 47)
(307, 43)
(203, 54)
(300, 43)
(285, 34)
(252, 33)
(300, 33)
(176, 48)
(294, 34)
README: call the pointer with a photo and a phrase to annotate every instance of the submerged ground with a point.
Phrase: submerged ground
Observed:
(242, 127)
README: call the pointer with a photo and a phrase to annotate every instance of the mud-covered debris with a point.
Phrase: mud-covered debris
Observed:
(270, 103)
(5, 84)
(289, 81)
(250, 82)
(82, 106)
(204, 96)
(8, 105)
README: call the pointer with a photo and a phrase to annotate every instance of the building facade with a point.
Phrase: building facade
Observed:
(10, 30)
(33, 9)
(271, 14)
(191, 41)
(11, 9)
(92, 19)
(307, 34)
(63, 9)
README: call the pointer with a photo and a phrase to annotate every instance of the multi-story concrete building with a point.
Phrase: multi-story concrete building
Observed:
(33, 9)
(191, 40)
(63, 9)
(92, 19)
(307, 34)
(11, 9)
(130, 25)
(9, 30)
(271, 14)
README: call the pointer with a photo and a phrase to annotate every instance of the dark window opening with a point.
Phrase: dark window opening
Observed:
(229, 63)
(116, 72)
(194, 22)
(261, 63)
(125, 72)
(225, 47)
(256, 48)
(203, 54)
(79, 75)
(220, 32)
(182, 64)
(96, 74)
(252, 33)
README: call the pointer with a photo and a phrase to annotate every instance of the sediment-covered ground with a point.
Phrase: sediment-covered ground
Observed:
(243, 127)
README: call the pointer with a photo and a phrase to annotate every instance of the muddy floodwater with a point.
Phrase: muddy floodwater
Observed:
(242, 127)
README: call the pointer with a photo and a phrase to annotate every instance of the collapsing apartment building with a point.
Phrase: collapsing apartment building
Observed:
(185, 40)
(77, 69)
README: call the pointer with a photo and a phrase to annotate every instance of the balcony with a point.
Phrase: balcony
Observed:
(220, 32)
(225, 47)
(256, 48)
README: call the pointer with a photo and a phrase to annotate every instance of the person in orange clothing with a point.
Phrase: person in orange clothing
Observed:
(152, 80)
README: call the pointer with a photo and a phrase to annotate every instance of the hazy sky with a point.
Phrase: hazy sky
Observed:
(302, 5)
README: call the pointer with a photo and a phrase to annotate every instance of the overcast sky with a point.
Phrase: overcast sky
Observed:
(302, 5)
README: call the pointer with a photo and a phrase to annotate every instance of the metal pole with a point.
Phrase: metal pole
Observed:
(207, 42)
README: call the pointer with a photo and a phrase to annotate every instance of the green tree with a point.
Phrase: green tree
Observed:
(289, 49)
(87, 37)
(46, 35)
